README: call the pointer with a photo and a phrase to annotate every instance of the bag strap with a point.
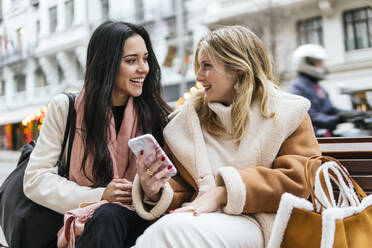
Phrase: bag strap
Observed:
(71, 140)
(70, 126)
(308, 175)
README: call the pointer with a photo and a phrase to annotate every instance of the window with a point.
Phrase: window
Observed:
(173, 5)
(53, 19)
(171, 92)
(140, 12)
(80, 70)
(20, 81)
(40, 78)
(105, 9)
(61, 75)
(190, 84)
(37, 29)
(19, 38)
(358, 28)
(69, 6)
(1, 11)
(2, 87)
(310, 31)
(171, 54)
(35, 3)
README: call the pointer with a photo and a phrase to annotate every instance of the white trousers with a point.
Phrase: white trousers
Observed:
(206, 230)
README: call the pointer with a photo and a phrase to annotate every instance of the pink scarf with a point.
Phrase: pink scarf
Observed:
(74, 222)
(123, 163)
(123, 160)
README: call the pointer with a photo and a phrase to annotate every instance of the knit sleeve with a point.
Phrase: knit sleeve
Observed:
(259, 189)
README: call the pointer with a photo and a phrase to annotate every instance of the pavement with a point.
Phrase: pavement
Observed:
(9, 156)
(8, 161)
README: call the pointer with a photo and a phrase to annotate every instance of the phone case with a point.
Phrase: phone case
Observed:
(152, 152)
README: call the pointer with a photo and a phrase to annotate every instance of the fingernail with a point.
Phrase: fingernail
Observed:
(162, 158)
(169, 167)
(141, 152)
(171, 211)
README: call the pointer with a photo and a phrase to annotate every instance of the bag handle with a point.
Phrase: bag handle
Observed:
(70, 130)
(309, 166)
(327, 173)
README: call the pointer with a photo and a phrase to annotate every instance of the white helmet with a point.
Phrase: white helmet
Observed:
(303, 57)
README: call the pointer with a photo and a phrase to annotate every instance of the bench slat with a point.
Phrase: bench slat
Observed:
(336, 193)
(348, 154)
(364, 181)
(347, 148)
(358, 166)
(355, 154)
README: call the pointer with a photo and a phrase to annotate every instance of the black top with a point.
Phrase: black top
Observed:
(118, 112)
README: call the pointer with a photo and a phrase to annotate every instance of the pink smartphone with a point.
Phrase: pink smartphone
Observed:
(152, 152)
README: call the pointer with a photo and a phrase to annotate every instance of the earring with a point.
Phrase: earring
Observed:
(236, 86)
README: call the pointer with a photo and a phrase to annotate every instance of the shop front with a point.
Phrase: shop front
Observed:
(19, 127)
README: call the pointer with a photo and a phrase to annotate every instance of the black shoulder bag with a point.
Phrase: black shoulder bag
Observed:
(24, 222)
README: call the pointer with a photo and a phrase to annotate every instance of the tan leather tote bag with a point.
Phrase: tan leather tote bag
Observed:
(325, 222)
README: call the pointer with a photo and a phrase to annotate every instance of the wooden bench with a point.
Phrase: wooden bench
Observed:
(355, 154)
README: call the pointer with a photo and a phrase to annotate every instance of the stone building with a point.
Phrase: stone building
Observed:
(43, 46)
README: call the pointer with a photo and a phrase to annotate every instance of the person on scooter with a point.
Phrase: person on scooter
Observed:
(309, 61)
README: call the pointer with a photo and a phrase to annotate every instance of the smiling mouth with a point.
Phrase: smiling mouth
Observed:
(137, 82)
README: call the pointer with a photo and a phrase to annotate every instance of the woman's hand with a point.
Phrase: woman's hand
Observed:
(118, 190)
(151, 179)
(209, 202)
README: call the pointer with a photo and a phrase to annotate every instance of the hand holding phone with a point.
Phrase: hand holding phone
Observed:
(152, 152)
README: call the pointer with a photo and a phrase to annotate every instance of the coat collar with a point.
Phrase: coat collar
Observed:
(259, 145)
(192, 153)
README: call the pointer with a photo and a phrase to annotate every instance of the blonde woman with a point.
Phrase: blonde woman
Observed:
(238, 145)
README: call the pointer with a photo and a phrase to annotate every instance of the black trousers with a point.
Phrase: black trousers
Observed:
(112, 225)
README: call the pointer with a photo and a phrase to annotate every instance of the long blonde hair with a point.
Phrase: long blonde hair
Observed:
(241, 50)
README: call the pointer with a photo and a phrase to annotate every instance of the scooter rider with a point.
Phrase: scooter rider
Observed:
(309, 60)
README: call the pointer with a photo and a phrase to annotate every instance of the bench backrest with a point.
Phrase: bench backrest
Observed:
(355, 154)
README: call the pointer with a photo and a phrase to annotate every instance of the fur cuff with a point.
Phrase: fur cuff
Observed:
(156, 211)
(235, 187)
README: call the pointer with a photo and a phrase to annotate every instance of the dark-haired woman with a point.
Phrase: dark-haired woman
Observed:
(120, 99)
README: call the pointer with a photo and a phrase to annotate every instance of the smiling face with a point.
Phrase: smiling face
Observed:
(217, 80)
(132, 72)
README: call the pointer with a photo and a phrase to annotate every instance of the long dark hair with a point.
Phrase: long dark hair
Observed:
(104, 56)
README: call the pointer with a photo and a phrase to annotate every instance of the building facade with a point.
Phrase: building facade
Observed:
(43, 46)
(343, 27)
(43, 51)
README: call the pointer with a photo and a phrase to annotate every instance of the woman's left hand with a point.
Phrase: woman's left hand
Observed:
(118, 190)
(209, 202)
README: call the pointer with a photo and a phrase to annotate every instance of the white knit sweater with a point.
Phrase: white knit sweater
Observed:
(221, 150)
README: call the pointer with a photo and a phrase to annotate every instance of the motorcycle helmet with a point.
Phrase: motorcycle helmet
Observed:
(305, 58)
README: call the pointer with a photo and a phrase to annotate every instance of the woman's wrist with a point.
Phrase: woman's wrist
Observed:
(154, 197)
(222, 195)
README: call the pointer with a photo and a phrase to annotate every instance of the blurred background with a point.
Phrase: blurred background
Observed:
(43, 47)
(43, 50)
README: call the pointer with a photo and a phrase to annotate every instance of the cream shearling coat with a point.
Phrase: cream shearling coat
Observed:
(262, 154)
